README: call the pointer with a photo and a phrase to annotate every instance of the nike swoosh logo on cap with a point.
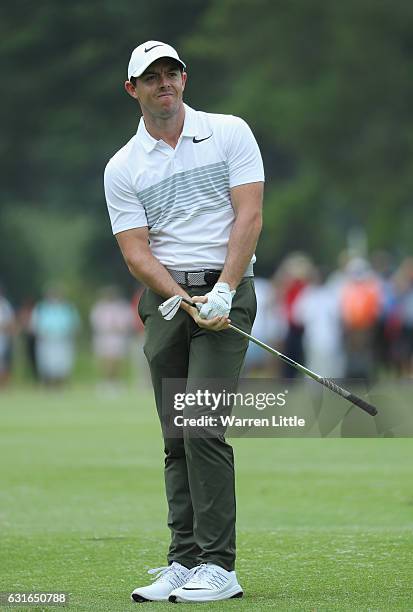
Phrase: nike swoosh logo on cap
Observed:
(196, 140)
(150, 48)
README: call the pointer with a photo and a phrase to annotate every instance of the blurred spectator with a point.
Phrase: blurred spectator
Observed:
(338, 277)
(388, 324)
(269, 326)
(55, 323)
(361, 302)
(144, 375)
(402, 321)
(317, 310)
(24, 317)
(7, 328)
(294, 274)
(112, 321)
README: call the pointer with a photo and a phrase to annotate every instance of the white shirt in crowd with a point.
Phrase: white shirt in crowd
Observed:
(112, 323)
(317, 309)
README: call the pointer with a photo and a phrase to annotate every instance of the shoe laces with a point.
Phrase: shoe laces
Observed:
(208, 574)
(169, 573)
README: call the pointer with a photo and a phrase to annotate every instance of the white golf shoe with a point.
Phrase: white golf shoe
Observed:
(207, 582)
(166, 580)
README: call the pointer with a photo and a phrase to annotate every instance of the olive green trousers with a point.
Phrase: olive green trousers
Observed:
(199, 471)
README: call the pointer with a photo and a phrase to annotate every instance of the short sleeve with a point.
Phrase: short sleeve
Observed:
(125, 210)
(244, 157)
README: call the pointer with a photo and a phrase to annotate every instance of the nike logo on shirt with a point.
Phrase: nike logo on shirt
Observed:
(196, 140)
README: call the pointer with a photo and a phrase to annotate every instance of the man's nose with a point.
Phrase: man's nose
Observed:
(163, 80)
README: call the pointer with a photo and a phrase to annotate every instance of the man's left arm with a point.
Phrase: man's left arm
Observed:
(246, 181)
(247, 203)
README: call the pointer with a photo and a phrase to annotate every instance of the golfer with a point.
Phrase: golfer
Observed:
(184, 197)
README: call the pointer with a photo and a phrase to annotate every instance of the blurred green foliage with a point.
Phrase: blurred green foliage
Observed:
(325, 86)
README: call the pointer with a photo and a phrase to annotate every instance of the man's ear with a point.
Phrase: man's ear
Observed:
(184, 78)
(130, 88)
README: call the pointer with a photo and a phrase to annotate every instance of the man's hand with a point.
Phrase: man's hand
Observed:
(215, 324)
(219, 302)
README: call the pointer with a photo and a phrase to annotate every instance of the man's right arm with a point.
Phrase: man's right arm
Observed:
(138, 256)
(125, 211)
(144, 266)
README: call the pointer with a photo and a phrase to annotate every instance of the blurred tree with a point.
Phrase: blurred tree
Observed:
(67, 113)
(65, 103)
(19, 269)
(327, 87)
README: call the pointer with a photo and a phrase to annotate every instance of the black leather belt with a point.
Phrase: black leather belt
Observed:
(197, 278)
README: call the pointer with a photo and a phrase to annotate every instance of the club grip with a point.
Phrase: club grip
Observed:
(362, 404)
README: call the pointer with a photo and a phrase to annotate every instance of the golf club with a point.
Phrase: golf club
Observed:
(170, 307)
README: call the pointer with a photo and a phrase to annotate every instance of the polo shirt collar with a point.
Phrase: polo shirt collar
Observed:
(148, 141)
(189, 129)
(190, 123)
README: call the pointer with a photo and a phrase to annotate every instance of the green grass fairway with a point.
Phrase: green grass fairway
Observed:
(323, 524)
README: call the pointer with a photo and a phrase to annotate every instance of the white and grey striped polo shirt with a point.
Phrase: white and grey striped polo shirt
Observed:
(183, 195)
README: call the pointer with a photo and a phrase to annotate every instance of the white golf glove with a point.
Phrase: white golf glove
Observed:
(219, 302)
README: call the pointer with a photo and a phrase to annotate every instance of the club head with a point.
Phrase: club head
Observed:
(169, 308)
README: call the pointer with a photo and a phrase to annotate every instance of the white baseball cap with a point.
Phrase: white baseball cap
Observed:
(147, 53)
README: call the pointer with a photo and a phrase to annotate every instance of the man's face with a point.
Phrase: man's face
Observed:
(159, 89)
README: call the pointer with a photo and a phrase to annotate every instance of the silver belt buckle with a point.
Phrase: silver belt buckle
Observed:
(196, 279)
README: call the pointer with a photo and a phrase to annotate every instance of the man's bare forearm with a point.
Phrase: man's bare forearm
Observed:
(148, 270)
(247, 203)
(241, 247)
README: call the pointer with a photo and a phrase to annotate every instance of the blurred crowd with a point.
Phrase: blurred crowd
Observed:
(355, 322)
(50, 332)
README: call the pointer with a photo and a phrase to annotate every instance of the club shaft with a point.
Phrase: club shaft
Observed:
(329, 384)
(288, 360)
(351, 397)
